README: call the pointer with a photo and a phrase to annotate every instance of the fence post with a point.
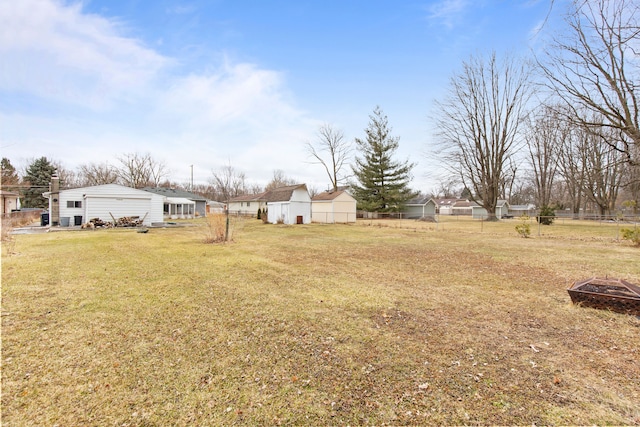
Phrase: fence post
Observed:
(539, 222)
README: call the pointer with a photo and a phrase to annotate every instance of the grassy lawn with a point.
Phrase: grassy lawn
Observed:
(382, 322)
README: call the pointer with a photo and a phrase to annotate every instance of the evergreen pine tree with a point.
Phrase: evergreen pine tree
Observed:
(382, 183)
(10, 178)
(38, 176)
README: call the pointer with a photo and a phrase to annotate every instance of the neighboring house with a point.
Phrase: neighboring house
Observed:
(77, 206)
(462, 207)
(420, 207)
(445, 206)
(180, 203)
(520, 210)
(247, 204)
(333, 207)
(502, 210)
(216, 207)
(288, 205)
(10, 201)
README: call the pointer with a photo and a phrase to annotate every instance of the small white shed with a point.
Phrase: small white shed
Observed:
(333, 207)
(288, 205)
(79, 205)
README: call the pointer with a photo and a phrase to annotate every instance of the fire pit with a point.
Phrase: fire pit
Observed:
(607, 294)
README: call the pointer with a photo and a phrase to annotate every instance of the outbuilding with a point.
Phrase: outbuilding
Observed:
(502, 210)
(420, 208)
(288, 205)
(77, 206)
(332, 207)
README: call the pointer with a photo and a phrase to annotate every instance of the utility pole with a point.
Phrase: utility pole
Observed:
(191, 189)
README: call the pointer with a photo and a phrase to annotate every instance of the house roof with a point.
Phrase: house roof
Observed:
(462, 204)
(419, 201)
(448, 202)
(104, 190)
(282, 194)
(526, 207)
(174, 192)
(328, 195)
(180, 201)
(248, 198)
(500, 203)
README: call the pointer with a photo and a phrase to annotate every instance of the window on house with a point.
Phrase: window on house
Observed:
(74, 204)
(248, 204)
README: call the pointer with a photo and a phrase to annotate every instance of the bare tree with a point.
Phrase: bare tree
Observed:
(478, 124)
(228, 183)
(572, 166)
(68, 178)
(603, 171)
(595, 70)
(279, 179)
(140, 170)
(545, 133)
(332, 151)
(97, 174)
(448, 188)
(631, 187)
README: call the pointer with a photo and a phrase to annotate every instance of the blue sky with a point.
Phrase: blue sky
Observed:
(246, 83)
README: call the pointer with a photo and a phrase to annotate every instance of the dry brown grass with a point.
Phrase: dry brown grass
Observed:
(390, 324)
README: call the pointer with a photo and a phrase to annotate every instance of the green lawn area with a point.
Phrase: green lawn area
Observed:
(378, 323)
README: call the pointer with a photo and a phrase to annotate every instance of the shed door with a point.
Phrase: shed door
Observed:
(299, 219)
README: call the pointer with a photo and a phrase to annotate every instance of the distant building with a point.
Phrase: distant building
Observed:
(332, 207)
(420, 207)
(288, 205)
(180, 203)
(10, 201)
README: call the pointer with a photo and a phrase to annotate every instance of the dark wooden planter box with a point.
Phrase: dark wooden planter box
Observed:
(607, 294)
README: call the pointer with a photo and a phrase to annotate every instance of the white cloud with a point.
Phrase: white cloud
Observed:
(239, 114)
(55, 51)
(101, 93)
(448, 12)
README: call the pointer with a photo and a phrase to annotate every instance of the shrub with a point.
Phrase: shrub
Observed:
(632, 234)
(259, 213)
(546, 215)
(524, 229)
(216, 228)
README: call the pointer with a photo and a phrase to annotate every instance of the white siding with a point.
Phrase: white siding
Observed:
(110, 200)
(278, 211)
(289, 211)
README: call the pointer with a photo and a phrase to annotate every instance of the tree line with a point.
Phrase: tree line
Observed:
(560, 130)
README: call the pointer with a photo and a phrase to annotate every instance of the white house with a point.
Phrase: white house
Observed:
(77, 206)
(247, 204)
(288, 205)
(333, 207)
